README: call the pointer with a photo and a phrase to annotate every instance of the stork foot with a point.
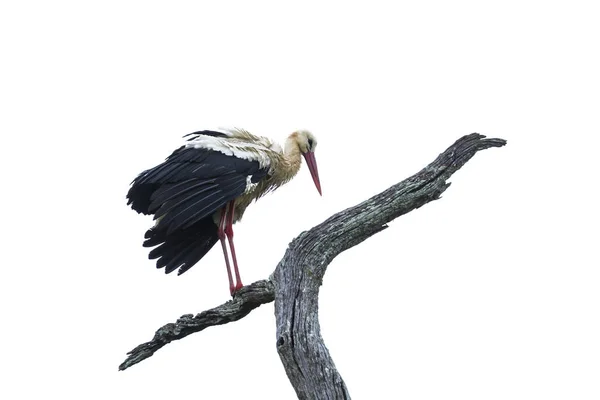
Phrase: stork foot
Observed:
(236, 289)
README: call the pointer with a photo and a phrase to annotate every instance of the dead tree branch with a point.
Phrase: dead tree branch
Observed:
(246, 300)
(298, 276)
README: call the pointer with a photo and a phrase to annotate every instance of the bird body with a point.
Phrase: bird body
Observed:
(280, 166)
(205, 186)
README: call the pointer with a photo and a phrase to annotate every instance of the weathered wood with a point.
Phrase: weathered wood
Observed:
(300, 273)
(246, 300)
(295, 283)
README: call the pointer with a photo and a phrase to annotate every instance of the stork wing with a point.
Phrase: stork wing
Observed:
(190, 185)
(194, 182)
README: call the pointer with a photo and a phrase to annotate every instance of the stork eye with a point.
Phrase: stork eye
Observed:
(310, 144)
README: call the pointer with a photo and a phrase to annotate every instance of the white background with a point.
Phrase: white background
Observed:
(489, 293)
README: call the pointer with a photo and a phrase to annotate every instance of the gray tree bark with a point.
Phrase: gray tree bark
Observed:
(297, 278)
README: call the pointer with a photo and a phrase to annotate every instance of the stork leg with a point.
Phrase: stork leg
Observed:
(229, 232)
(221, 234)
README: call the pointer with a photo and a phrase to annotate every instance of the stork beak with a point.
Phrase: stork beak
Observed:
(312, 166)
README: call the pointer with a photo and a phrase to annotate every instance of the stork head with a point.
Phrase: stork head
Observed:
(307, 144)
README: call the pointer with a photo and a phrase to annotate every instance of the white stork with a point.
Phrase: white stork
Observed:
(204, 187)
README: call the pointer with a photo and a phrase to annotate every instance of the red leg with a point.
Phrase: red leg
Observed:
(229, 232)
(221, 233)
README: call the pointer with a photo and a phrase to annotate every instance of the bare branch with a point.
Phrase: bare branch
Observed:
(298, 276)
(246, 300)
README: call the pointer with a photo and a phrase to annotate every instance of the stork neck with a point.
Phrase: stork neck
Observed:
(292, 156)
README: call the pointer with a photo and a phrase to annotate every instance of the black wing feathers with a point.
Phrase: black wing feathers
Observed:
(205, 133)
(182, 249)
(183, 193)
(171, 191)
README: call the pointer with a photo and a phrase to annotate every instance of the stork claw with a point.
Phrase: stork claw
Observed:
(236, 289)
